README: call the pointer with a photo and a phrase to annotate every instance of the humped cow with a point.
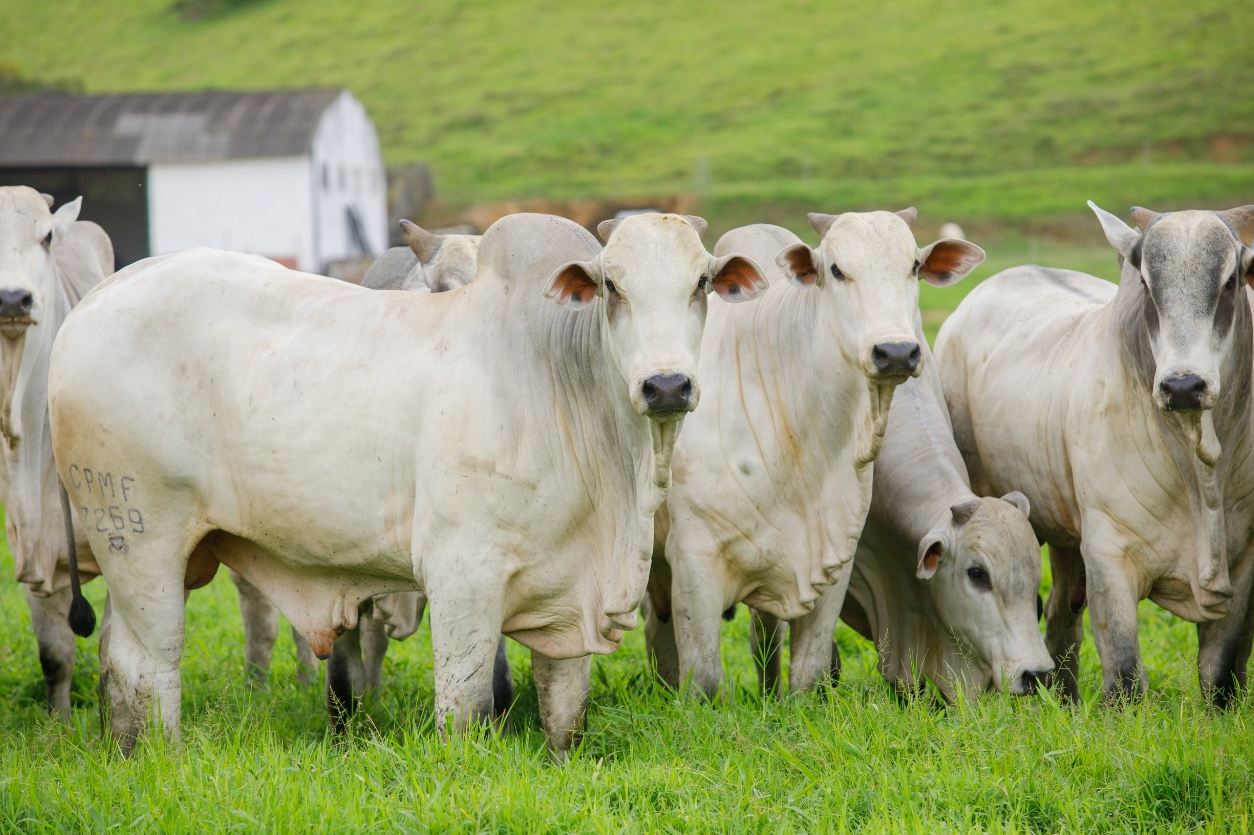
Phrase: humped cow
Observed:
(773, 478)
(506, 461)
(1124, 413)
(48, 260)
(945, 582)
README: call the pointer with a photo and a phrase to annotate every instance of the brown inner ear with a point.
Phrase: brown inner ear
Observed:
(944, 259)
(736, 278)
(802, 265)
(572, 284)
(931, 559)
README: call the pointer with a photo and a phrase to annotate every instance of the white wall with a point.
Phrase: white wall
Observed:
(261, 206)
(348, 171)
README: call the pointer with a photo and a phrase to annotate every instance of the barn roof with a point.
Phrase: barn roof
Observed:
(64, 129)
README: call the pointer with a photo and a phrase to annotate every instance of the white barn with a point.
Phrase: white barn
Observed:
(295, 175)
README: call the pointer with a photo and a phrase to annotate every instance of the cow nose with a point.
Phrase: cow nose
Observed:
(1030, 680)
(667, 393)
(15, 304)
(893, 359)
(1183, 391)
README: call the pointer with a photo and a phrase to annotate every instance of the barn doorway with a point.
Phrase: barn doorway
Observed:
(116, 198)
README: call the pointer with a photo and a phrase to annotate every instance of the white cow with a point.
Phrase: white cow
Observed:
(429, 263)
(773, 480)
(944, 582)
(1124, 413)
(47, 262)
(506, 460)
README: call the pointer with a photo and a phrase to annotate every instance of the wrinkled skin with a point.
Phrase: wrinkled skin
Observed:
(51, 259)
(773, 478)
(506, 462)
(1124, 415)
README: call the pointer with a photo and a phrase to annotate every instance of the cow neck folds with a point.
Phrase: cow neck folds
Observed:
(1197, 441)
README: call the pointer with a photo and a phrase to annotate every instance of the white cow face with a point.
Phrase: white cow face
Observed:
(983, 568)
(29, 232)
(869, 266)
(653, 278)
(1190, 269)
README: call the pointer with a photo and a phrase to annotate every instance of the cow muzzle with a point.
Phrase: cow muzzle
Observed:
(1184, 393)
(17, 308)
(667, 395)
(895, 360)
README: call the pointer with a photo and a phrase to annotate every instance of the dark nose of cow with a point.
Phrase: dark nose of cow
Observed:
(895, 359)
(1183, 391)
(667, 393)
(15, 304)
(1030, 680)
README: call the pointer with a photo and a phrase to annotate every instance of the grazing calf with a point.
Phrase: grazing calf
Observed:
(773, 478)
(944, 582)
(47, 262)
(429, 263)
(506, 461)
(1124, 415)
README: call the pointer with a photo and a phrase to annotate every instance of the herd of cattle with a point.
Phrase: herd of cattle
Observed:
(506, 430)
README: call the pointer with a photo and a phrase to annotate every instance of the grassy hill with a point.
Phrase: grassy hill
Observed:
(1005, 111)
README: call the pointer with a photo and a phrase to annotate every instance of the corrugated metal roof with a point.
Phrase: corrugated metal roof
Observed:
(53, 129)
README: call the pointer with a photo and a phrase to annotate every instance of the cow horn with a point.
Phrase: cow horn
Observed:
(423, 243)
(1144, 218)
(697, 223)
(821, 222)
(909, 215)
(1242, 220)
(963, 511)
(606, 228)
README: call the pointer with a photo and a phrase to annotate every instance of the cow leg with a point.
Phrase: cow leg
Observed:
(1112, 605)
(766, 646)
(346, 678)
(810, 639)
(50, 618)
(697, 606)
(465, 631)
(306, 661)
(1064, 619)
(562, 687)
(374, 646)
(1223, 646)
(139, 669)
(502, 682)
(261, 628)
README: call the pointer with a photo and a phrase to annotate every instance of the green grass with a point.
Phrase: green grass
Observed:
(990, 111)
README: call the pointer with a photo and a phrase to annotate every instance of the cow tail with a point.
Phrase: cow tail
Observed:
(82, 616)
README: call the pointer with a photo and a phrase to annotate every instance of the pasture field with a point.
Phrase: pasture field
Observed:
(857, 758)
(991, 110)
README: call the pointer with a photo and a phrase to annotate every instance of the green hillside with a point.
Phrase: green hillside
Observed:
(997, 111)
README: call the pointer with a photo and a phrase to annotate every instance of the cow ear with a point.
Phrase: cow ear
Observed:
(423, 243)
(1242, 220)
(1121, 236)
(909, 215)
(931, 549)
(1020, 501)
(736, 278)
(948, 261)
(67, 214)
(575, 284)
(802, 265)
(821, 222)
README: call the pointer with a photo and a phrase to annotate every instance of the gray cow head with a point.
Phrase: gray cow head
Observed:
(29, 233)
(983, 567)
(1193, 266)
(446, 261)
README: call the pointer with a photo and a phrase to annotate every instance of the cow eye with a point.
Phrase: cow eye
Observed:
(610, 288)
(47, 241)
(979, 577)
(916, 266)
(837, 274)
(1232, 282)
